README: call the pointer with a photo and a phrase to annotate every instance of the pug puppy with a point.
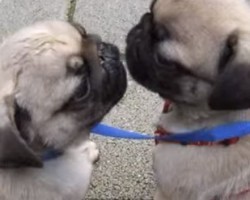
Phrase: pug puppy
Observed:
(195, 53)
(56, 82)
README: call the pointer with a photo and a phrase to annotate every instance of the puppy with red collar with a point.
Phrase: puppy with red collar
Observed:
(196, 53)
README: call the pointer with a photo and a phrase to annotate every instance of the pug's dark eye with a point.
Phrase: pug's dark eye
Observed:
(173, 66)
(160, 33)
(159, 59)
(228, 51)
(166, 63)
(82, 91)
(80, 95)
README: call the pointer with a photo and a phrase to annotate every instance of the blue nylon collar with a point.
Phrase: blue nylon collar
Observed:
(214, 134)
(51, 154)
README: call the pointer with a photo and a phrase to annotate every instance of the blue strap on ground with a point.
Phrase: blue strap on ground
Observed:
(105, 130)
(214, 134)
(51, 154)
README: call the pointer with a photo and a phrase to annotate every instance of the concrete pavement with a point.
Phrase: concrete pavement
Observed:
(15, 14)
(124, 171)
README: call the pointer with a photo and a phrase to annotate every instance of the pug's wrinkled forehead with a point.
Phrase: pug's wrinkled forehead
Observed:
(54, 36)
(198, 32)
(55, 33)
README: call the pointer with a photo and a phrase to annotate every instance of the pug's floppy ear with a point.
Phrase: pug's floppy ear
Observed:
(232, 90)
(14, 151)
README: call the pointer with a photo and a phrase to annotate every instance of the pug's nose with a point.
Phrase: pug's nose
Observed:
(109, 52)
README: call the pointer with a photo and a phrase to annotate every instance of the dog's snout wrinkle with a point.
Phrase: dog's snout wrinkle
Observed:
(228, 52)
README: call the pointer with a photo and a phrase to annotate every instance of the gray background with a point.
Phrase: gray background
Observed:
(124, 170)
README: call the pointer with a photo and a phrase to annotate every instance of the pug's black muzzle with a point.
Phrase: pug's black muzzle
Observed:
(114, 81)
(140, 52)
(105, 81)
(146, 65)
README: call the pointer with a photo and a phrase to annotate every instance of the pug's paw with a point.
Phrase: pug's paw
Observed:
(90, 148)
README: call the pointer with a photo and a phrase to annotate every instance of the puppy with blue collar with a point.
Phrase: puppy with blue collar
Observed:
(56, 82)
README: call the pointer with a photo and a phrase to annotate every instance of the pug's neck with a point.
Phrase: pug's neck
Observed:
(184, 118)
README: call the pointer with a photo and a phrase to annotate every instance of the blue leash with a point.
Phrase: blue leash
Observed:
(214, 134)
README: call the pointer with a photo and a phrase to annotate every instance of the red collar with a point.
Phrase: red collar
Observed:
(161, 132)
(238, 195)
